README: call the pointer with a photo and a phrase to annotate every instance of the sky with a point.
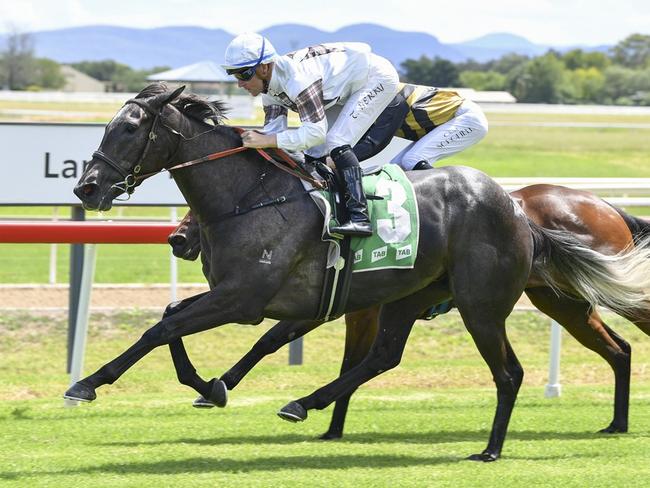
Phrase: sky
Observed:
(551, 22)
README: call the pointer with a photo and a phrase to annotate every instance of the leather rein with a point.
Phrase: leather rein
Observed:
(131, 179)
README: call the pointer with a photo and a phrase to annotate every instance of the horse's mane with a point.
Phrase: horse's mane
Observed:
(189, 104)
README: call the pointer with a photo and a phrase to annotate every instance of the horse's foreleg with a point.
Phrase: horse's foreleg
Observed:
(212, 393)
(396, 321)
(277, 336)
(210, 309)
(589, 329)
(185, 370)
(360, 332)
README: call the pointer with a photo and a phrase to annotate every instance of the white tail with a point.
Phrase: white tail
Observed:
(620, 282)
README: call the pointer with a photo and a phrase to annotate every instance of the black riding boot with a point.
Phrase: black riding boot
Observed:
(349, 171)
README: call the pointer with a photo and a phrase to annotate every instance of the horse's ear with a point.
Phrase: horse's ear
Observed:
(175, 93)
(163, 99)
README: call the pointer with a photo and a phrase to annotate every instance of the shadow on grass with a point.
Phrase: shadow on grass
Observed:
(204, 465)
(272, 463)
(432, 437)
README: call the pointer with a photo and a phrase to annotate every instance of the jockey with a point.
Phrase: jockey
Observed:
(338, 90)
(439, 122)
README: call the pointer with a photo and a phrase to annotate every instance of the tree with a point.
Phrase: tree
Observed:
(577, 58)
(483, 80)
(431, 72)
(540, 80)
(17, 60)
(587, 84)
(121, 76)
(633, 51)
(106, 70)
(506, 63)
(48, 74)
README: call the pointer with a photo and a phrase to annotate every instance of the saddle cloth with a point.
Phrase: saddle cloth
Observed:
(395, 223)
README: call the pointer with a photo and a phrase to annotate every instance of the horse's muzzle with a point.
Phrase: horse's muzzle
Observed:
(90, 194)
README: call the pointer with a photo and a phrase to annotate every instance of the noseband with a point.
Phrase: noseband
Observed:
(130, 179)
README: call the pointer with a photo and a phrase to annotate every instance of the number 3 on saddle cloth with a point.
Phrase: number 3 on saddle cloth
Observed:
(396, 230)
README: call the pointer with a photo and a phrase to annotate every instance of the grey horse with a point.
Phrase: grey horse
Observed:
(476, 247)
(593, 221)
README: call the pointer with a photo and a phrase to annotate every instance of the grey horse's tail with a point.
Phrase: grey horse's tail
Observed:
(639, 228)
(620, 282)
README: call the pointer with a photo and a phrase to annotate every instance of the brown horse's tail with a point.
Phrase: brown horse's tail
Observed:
(639, 228)
(620, 282)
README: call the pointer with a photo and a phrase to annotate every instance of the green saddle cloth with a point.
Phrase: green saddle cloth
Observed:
(395, 223)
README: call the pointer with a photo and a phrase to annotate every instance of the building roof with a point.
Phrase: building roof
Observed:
(485, 96)
(202, 72)
(76, 81)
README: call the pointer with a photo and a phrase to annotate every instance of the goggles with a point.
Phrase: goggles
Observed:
(243, 74)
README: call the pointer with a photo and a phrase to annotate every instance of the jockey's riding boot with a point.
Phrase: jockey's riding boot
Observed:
(350, 174)
(422, 165)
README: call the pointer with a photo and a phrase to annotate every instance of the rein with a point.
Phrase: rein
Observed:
(289, 165)
(131, 179)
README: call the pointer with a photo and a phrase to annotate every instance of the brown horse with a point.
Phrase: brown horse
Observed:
(603, 227)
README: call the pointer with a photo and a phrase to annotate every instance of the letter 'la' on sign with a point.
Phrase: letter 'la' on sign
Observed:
(48, 159)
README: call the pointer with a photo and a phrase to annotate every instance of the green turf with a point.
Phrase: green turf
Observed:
(412, 426)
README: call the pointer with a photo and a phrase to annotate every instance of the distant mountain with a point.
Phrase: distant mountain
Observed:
(179, 46)
(492, 46)
(138, 48)
(394, 45)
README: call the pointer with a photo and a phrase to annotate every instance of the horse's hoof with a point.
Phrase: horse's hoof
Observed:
(330, 436)
(486, 457)
(80, 392)
(293, 412)
(218, 396)
(201, 402)
(613, 429)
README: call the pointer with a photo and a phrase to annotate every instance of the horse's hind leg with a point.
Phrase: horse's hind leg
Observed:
(395, 324)
(589, 329)
(642, 323)
(490, 338)
(360, 332)
(486, 282)
(277, 336)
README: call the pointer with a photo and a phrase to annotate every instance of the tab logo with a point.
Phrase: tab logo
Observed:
(379, 253)
(404, 252)
(358, 256)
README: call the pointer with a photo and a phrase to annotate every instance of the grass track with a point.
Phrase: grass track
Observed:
(412, 426)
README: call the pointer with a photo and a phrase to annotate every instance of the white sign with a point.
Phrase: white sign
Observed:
(41, 163)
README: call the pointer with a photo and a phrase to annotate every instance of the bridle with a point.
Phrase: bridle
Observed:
(131, 179)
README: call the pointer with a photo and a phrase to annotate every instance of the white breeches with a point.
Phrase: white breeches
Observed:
(468, 126)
